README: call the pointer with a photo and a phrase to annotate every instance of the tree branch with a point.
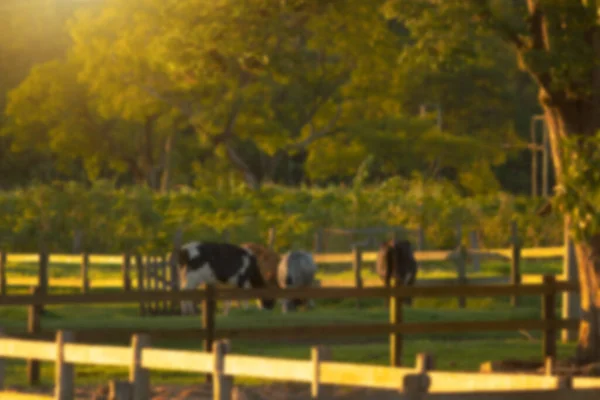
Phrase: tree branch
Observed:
(539, 42)
(537, 29)
(508, 34)
(184, 107)
(537, 26)
(228, 132)
(326, 95)
(237, 161)
(316, 135)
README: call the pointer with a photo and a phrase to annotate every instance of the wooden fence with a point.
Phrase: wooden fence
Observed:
(156, 273)
(461, 257)
(549, 323)
(420, 382)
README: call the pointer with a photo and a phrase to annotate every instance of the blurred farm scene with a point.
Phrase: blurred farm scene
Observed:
(299, 199)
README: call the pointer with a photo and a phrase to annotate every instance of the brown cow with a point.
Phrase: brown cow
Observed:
(267, 260)
(396, 259)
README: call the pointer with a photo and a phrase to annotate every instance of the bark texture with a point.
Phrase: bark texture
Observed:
(567, 119)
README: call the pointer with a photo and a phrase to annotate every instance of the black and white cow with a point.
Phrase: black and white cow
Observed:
(397, 259)
(212, 263)
(297, 268)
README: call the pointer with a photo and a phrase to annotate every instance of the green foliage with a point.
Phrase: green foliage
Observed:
(452, 63)
(256, 83)
(579, 193)
(116, 220)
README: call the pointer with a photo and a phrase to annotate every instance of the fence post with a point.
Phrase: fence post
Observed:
(153, 282)
(237, 393)
(357, 269)
(3, 273)
(461, 272)
(33, 327)
(415, 386)
(474, 239)
(549, 317)
(119, 390)
(173, 286)
(570, 300)
(424, 362)
(85, 282)
(564, 383)
(138, 376)
(515, 265)
(174, 267)
(163, 286)
(147, 265)
(2, 365)
(44, 259)
(318, 391)
(139, 264)
(396, 305)
(222, 384)
(64, 373)
(125, 272)
(208, 320)
(549, 366)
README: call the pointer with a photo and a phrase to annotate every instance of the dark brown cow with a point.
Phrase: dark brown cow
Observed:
(397, 260)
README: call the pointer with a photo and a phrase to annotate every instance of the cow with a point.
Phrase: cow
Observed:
(297, 268)
(396, 259)
(213, 263)
(268, 260)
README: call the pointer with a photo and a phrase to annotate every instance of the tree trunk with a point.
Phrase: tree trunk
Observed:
(251, 179)
(568, 119)
(588, 259)
(165, 181)
(271, 166)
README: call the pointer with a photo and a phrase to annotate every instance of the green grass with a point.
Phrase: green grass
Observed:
(452, 351)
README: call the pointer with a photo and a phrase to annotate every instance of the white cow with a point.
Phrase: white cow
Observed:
(211, 263)
(297, 268)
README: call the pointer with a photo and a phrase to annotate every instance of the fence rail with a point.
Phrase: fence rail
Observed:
(225, 293)
(157, 277)
(320, 372)
(549, 324)
(554, 252)
(153, 274)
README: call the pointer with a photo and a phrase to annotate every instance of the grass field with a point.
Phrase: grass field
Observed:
(453, 351)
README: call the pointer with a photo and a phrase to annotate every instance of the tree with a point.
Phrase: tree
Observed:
(558, 44)
(261, 82)
(215, 63)
(51, 112)
(387, 91)
(469, 87)
(30, 33)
